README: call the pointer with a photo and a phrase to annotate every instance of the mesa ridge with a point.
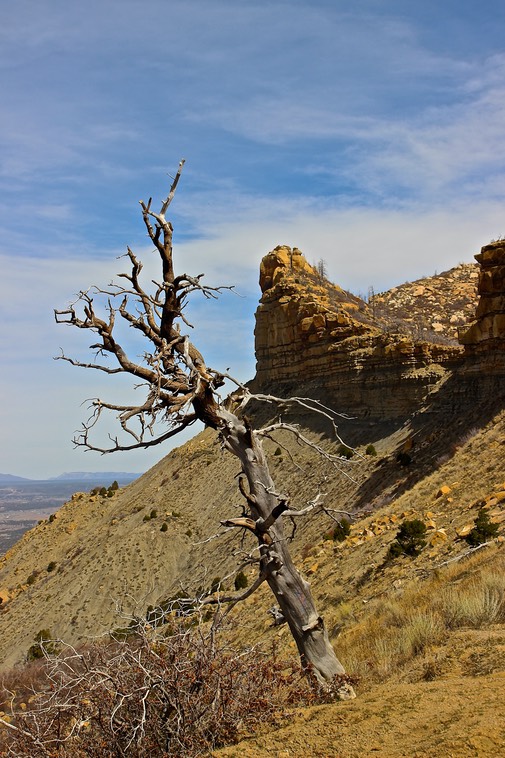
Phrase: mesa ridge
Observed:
(439, 403)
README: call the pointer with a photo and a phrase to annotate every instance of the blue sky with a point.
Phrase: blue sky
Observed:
(368, 133)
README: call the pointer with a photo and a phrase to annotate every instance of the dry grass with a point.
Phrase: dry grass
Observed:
(393, 632)
(475, 604)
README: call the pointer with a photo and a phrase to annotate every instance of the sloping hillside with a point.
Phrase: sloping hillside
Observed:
(435, 719)
(109, 553)
(432, 308)
(438, 458)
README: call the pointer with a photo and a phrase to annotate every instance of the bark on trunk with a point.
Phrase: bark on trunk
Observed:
(291, 591)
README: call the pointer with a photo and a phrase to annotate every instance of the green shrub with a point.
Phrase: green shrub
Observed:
(409, 539)
(370, 450)
(164, 527)
(404, 459)
(153, 513)
(124, 633)
(278, 451)
(103, 491)
(345, 452)
(241, 581)
(32, 578)
(215, 585)
(51, 566)
(146, 517)
(483, 530)
(42, 646)
(52, 517)
(179, 605)
(339, 532)
(114, 485)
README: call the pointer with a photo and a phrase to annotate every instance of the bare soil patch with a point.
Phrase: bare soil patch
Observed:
(453, 717)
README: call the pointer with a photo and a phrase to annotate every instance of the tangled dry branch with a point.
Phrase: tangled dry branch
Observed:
(181, 693)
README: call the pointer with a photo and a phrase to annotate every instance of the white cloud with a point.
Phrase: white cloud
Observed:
(362, 247)
(362, 134)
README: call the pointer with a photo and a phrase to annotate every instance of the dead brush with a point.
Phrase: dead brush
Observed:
(149, 695)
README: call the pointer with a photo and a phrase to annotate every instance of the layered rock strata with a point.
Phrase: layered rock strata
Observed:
(487, 332)
(310, 332)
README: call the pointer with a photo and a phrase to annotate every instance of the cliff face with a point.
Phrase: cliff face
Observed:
(487, 332)
(112, 557)
(311, 332)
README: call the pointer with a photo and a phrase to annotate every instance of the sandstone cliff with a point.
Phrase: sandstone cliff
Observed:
(442, 403)
(487, 332)
(380, 360)
(312, 332)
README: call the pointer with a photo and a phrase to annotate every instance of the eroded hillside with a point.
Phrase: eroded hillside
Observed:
(429, 445)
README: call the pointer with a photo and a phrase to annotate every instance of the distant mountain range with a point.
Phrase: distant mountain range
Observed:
(72, 476)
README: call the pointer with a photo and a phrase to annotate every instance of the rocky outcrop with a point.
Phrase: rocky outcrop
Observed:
(311, 332)
(301, 317)
(487, 332)
(433, 308)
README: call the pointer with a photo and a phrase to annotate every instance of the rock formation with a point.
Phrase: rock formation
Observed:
(487, 332)
(311, 332)
(433, 308)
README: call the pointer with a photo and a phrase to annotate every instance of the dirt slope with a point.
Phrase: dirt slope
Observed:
(452, 718)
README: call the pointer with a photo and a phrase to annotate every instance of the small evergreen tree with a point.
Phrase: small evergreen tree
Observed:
(404, 459)
(483, 530)
(42, 646)
(409, 539)
(340, 531)
(345, 452)
(241, 581)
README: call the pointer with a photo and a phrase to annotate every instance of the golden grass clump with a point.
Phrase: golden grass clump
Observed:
(396, 630)
(476, 603)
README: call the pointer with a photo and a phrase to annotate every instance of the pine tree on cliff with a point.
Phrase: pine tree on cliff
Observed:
(181, 389)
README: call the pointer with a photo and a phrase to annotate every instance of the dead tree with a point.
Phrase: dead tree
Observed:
(180, 389)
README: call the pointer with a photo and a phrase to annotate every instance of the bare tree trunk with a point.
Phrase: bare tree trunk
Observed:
(182, 389)
(291, 591)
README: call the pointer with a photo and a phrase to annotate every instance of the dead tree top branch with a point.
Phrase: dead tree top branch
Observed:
(179, 389)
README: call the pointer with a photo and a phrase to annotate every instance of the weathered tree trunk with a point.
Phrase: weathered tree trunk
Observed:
(291, 591)
(178, 379)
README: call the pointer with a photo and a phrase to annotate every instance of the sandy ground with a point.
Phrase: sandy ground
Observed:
(450, 718)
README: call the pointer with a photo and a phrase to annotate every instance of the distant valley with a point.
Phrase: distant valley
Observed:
(24, 502)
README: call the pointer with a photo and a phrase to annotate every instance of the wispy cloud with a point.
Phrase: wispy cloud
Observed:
(368, 134)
